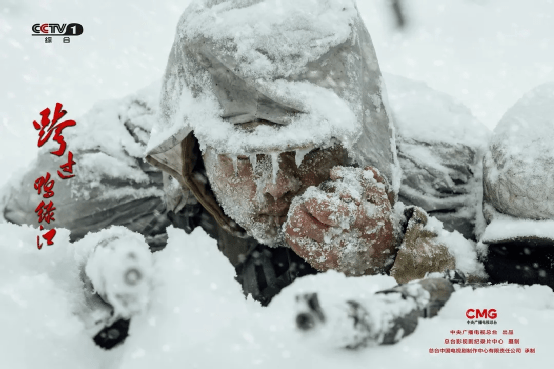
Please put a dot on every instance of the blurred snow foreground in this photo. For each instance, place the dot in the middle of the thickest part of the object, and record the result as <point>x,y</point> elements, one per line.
<point>197,315</point>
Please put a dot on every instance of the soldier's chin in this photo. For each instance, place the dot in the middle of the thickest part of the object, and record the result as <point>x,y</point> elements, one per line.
<point>267,234</point>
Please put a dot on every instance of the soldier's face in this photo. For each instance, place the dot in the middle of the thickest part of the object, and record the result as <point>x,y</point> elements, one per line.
<point>256,195</point>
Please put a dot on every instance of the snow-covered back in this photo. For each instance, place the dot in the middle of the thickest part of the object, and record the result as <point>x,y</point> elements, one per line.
<point>519,165</point>
<point>528,126</point>
<point>110,138</point>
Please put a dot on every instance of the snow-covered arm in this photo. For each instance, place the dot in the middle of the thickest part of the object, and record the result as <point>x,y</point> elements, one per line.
<point>112,184</point>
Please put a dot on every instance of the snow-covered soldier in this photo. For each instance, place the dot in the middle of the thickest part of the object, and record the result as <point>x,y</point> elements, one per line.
<point>275,137</point>
<point>518,185</point>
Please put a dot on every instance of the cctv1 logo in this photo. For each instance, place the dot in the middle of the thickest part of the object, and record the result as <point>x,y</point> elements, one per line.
<point>481,313</point>
<point>55,29</point>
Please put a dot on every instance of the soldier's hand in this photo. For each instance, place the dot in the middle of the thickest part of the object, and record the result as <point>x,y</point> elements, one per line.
<point>344,224</point>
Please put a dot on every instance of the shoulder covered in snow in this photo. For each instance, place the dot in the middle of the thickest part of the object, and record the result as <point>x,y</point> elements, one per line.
<point>427,115</point>
<point>109,141</point>
<point>504,227</point>
<point>517,170</point>
<point>111,183</point>
<point>440,146</point>
<point>528,126</point>
<point>118,127</point>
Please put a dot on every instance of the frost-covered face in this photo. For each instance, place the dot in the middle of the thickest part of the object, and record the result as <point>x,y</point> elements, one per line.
<point>256,190</point>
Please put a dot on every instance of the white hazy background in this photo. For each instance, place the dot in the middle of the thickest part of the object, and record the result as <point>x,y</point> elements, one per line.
<point>485,53</point>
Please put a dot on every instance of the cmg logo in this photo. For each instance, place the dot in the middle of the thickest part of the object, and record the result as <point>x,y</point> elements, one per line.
<point>481,313</point>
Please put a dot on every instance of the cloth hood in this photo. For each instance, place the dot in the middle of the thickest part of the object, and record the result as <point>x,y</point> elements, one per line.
<point>309,68</point>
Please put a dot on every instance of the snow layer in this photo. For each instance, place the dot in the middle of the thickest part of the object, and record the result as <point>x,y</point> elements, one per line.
<point>199,316</point>
<point>111,139</point>
<point>461,248</point>
<point>39,291</point>
<point>256,29</point>
<point>504,227</point>
<point>512,228</point>
<point>518,167</point>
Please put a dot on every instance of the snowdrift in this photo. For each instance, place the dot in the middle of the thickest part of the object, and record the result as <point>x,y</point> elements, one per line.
<point>198,316</point>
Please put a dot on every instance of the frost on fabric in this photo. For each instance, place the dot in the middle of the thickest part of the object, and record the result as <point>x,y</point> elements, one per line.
<point>252,31</point>
<point>118,127</point>
<point>440,149</point>
<point>252,37</point>
<point>326,116</point>
<point>108,145</point>
<point>518,175</point>
<point>112,183</point>
<point>100,165</point>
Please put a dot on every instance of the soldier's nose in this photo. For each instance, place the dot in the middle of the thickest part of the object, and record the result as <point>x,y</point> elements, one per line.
<point>285,182</point>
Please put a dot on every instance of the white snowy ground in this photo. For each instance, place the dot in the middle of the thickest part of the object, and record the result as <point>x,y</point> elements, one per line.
<point>198,317</point>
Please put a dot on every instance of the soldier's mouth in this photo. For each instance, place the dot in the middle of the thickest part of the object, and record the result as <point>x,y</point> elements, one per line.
<point>272,219</point>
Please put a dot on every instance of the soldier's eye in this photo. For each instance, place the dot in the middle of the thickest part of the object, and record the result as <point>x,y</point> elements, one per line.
<point>243,157</point>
